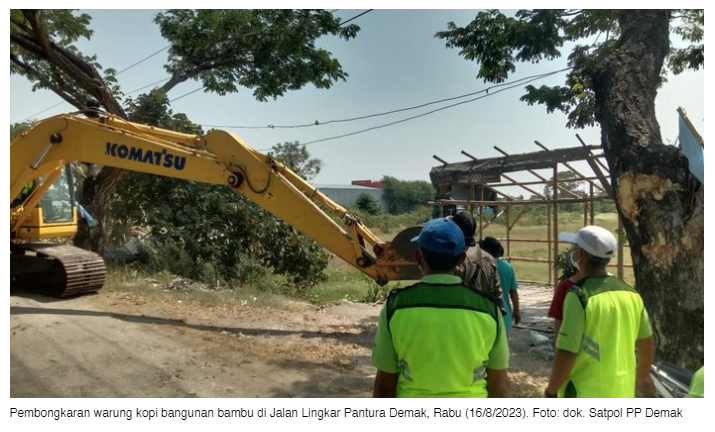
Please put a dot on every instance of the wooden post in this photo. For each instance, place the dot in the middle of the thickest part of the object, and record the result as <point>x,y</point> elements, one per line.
<point>593,216</point>
<point>596,158</point>
<point>548,242</point>
<point>474,198</point>
<point>601,176</point>
<point>556,222</point>
<point>481,214</point>
<point>620,248</point>
<point>585,209</point>
<point>586,205</point>
<point>508,235</point>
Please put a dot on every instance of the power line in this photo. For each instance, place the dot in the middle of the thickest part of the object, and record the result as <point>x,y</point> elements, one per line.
<point>142,60</point>
<point>121,71</point>
<point>355,17</point>
<point>40,112</point>
<point>509,87</point>
<point>186,94</point>
<point>156,53</point>
<point>319,123</point>
<point>149,85</point>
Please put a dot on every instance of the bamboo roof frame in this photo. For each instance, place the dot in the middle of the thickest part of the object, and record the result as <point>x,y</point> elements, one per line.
<point>487,174</point>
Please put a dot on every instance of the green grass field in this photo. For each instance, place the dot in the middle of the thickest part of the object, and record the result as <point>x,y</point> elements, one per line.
<point>539,271</point>
<point>346,282</point>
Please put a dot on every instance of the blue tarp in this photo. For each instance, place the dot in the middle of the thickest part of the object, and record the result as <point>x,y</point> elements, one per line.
<point>84,214</point>
<point>693,151</point>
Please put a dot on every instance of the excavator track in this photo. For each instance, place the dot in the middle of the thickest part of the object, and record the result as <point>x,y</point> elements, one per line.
<point>55,270</point>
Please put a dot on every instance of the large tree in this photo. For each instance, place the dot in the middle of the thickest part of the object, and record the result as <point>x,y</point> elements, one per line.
<point>296,157</point>
<point>268,51</point>
<point>18,128</point>
<point>617,63</point>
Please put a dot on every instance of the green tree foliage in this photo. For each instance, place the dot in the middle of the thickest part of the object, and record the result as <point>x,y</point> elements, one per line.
<point>16,129</point>
<point>616,64</point>
<point>404,196</point>
<point>217,229</point>
<point>268,51</point>
<point>204,231</point>
<point>497,42</point>
<point>368,204</point>
<point>603,207</point>
<point>42,49</point>
<point>297,158</point>
<point>563,267</point>
<point>575,188</point>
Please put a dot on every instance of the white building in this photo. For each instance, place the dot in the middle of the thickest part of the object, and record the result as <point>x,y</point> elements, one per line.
<point>347,195</point>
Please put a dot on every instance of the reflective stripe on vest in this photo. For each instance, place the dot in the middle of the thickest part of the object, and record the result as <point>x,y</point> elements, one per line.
<point>443,335</point>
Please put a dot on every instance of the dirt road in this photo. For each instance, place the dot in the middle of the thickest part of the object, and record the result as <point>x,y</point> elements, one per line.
<point>122,345</point>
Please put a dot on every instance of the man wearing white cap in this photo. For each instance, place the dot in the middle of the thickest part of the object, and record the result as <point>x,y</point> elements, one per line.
<point>604,321</point>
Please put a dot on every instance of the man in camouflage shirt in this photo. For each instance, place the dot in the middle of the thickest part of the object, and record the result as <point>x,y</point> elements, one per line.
<point>479,270</point>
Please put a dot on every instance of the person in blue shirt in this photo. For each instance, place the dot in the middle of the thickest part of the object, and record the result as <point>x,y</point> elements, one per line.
<point>507,277</point>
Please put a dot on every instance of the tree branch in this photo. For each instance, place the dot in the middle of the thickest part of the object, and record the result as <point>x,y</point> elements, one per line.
<point>30,71</point>
<point>173,82</point>
<point>27,44</point>
<point>31,15</point>
<point>73,66</point>
<point>21,25</point>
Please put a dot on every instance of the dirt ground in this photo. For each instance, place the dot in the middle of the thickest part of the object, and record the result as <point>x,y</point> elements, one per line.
<point>129,346</point>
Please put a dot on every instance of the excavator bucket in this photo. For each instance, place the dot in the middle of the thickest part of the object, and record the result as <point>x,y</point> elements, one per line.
<point>397,260</point>
<point>403,245</point>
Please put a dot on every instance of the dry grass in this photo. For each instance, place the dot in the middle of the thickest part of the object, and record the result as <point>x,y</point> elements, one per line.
<point>531,229</point>
<point>537,271</point>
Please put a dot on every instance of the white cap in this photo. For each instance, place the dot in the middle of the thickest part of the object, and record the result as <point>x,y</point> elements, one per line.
<point>596,241</point>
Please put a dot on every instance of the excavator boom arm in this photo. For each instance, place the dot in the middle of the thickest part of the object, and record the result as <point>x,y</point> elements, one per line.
<point>220,158</point>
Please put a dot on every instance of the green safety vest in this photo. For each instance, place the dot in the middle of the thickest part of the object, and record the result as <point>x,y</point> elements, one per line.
<point>460,322</point>
<point>605,365</point>
<point>697,385</point>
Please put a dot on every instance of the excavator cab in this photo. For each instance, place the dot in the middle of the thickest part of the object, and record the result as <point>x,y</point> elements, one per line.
<point>51,214</point>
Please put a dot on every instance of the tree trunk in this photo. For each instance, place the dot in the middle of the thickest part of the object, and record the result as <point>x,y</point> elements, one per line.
<point>660,202</point>
<point>97,190</point>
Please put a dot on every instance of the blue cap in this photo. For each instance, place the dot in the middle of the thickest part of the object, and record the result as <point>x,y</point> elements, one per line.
<point>441,236</point>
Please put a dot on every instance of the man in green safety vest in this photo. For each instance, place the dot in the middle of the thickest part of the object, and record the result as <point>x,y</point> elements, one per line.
<point>604,321</point>
<point>439,337</point>
<point>697,385</point>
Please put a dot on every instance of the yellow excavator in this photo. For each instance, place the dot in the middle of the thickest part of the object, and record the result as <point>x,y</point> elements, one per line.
<point>43,205</point>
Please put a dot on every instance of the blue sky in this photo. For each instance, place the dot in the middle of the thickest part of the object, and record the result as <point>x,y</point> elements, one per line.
<point>394,62</point>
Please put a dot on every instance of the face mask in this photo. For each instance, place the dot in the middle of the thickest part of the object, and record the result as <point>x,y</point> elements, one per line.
<point>573,261</point>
